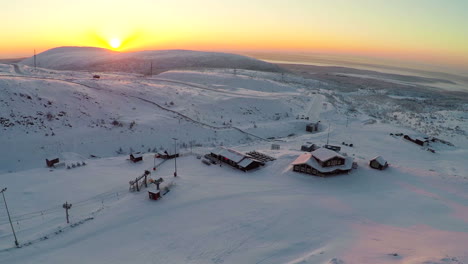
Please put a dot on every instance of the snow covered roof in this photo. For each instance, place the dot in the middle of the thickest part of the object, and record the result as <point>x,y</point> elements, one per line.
<point>245,162</point>
<point>380,160</point>
<point>303,158</point>
<point>306,158</point>
<point>324,154</point>
<point>229,153</point>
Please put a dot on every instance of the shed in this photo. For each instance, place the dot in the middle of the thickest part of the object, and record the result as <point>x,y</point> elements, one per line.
<point>313,127</point>
<point>378,163</point>
<point>309,148</point>
<point>275,146</point>
<point>154,195</point>
<point>51,163</point>
<point>135,159</point>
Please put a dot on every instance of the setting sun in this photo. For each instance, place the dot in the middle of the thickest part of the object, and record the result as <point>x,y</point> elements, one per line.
<point>115,43</point>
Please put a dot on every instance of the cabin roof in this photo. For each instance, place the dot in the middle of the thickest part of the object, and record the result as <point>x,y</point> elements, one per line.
<point>380,160</point>
<point>306,158</point>
<point>229,153</point>
<point>324,154</point>
<point>245,162</point>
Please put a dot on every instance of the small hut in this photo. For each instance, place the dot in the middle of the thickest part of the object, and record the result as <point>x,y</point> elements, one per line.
<point>378,163</point>
<point>135,159</point>
<point>309,148</point>
<point>154,195</point>
<point>275,146</point>
<point>313,127</point>
<point>51,163</point>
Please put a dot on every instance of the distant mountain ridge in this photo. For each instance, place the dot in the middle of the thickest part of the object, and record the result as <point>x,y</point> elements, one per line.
<point>99,59</point>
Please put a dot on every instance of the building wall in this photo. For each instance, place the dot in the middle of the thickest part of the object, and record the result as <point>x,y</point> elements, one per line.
<point>304,168</point>
<point>332,162</point>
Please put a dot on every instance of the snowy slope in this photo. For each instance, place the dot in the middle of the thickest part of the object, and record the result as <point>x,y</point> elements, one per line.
<point>220,215</point>
<point>414,212</point>
<point>47,113</point>
<point>98,59</point>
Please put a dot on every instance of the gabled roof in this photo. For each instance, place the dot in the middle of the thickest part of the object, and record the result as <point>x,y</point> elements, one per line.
<point>307,158</point>
<point>302,159</point>
<point>324,154</point>
<point>245,163</point>
<point>380,160</point>
<point>229,153</point>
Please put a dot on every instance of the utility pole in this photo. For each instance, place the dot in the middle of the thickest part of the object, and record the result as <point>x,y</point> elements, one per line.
<point>9,218</point>
<point>67,207</point>
<point>328,135</point>
<point>34,59</point>
<point>175,157</point>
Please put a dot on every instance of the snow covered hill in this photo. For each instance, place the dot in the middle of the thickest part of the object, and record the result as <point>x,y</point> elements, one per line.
<point>414,212</point>
<point>99,59</point>
<point>46,113</point>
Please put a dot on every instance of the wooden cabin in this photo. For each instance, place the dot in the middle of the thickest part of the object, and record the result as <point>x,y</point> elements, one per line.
<point>236,159</point>
<point>167,155</point>
<point>51,163</point>
<point>322,162</point>
<point>313,127</point>
<point>309,148</point>
<point>275,146</point>
<point>378,163</point>
<point>154,195</point>
<point>135,159</point>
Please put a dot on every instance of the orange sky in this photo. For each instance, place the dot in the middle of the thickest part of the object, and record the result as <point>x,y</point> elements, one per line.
<point>431,31</point>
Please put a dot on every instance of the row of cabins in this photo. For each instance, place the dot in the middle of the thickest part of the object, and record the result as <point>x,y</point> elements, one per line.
<point>236,159</point>
<point>320,162</point>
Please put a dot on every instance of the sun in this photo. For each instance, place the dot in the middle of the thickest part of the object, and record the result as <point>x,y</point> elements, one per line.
<point>115,43</point>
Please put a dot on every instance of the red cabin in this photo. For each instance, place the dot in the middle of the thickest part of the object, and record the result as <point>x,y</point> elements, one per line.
<point>154,195</point>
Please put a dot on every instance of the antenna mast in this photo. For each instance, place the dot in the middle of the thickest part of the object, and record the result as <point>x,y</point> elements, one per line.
<point>34,59</point>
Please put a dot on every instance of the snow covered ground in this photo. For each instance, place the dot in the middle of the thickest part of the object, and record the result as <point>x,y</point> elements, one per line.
<point>414,212</point>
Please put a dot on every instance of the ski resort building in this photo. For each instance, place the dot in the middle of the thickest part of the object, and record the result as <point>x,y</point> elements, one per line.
<point>236,159</point>
<point>322,162</point>
<point>378,163</point>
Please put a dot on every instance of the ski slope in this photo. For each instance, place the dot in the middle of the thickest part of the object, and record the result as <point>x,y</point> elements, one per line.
<point>414,212</point>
